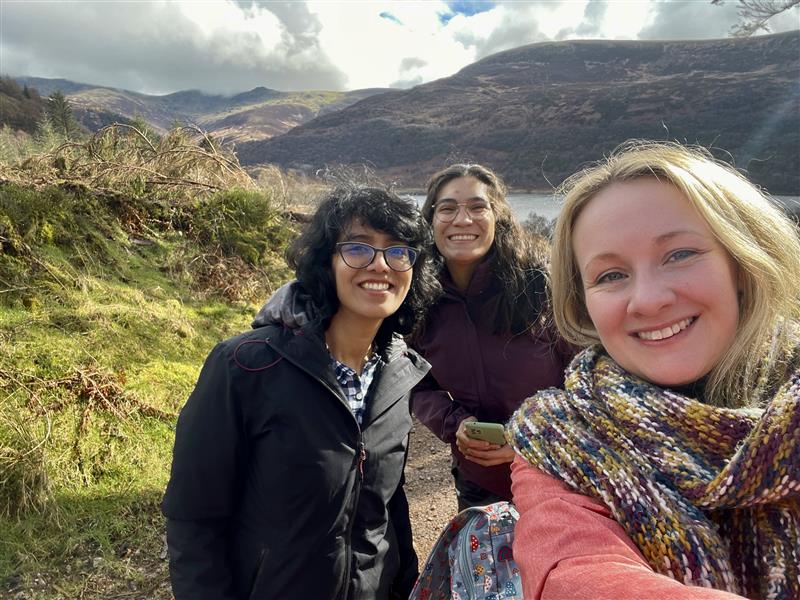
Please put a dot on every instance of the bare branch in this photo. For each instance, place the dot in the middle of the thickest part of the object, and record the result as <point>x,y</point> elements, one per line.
<point>754,15</point>
<point>122,157</point>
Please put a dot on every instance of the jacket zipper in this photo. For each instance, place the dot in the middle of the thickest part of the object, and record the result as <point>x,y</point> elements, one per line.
<point>361,459</point>
<point>359,464</point>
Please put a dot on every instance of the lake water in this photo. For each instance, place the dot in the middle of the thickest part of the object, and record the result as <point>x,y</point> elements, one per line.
<point>548,206</point>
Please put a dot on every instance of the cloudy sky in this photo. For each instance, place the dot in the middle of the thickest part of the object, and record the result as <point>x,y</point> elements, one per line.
<point>229,46</point>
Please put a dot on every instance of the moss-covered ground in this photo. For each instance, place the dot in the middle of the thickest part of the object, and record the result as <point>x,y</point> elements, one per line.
<point>108,306</point>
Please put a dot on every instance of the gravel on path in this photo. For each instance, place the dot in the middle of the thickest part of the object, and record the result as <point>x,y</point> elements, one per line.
<point>429,488</point>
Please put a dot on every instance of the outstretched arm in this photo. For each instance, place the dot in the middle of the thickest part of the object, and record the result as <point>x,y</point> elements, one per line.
<point>568,547</point>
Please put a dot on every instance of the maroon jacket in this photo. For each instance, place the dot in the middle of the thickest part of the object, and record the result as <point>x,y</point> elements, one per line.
<point>475,372</point>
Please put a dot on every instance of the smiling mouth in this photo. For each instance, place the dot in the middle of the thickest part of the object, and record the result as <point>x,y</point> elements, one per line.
<point>666,332</point>
<point>463,237</point>
<point>375,286</point>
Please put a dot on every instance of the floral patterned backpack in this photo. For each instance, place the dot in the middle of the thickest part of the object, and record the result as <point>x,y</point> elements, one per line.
<point>472,559</point>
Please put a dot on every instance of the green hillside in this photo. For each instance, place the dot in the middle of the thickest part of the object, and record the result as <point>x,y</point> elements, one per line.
<point>114,285</point>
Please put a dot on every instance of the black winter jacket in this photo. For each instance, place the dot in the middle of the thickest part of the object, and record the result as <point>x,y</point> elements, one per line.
<point>275,491</point>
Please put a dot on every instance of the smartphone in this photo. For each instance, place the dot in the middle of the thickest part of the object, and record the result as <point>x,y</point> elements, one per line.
<point>488,432</point>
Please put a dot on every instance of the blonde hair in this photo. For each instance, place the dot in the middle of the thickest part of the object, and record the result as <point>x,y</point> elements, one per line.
<point>761,239</point>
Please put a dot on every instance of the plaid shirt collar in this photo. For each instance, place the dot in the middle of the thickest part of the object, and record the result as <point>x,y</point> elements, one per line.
<point>356,387</point>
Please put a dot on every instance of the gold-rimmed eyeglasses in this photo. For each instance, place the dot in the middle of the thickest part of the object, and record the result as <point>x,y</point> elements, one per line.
<point>447,210</point>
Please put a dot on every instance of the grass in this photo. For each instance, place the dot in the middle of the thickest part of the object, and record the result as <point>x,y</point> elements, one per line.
<point>108,306</point>
<point>107,478</point>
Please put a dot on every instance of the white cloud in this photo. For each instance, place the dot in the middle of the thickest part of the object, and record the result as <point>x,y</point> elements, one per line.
<point>552,17</point>
<point>226,46</point>
<point>372,48</point>
<point>160,46</point>
<point>623,20</point>
<point>688,19</point>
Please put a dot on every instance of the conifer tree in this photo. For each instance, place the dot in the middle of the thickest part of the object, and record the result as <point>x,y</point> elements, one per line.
<point>59,114</point>
<point>46,137</point>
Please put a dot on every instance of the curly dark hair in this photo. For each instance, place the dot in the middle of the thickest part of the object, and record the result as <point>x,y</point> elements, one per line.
<point>520,259</point>
<point>312,253</point>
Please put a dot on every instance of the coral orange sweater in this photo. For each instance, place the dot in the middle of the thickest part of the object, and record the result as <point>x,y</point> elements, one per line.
<point>568,547</point>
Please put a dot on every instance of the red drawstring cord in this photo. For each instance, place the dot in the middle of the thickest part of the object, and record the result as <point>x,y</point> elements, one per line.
<point>248,369</point>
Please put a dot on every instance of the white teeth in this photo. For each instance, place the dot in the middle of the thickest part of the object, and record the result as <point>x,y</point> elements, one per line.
<point>463,236</point>
<point>374,285</point>
<point>667,332</point>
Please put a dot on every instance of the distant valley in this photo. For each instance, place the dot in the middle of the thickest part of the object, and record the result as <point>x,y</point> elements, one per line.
<point>536,113</point>
<point>258,114</point>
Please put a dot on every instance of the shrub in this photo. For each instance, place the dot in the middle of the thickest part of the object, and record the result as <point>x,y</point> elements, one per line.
<point>539,225</point>
<point>240,223</point>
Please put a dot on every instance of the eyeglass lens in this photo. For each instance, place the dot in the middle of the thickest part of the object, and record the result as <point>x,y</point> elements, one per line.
<point>359,255</point>
<point>447,210</point>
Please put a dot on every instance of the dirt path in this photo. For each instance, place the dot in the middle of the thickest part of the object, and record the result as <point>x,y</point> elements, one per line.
<point>429,487</point>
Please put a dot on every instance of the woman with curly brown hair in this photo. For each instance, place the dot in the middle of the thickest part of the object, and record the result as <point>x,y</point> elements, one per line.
<point>488,338</point>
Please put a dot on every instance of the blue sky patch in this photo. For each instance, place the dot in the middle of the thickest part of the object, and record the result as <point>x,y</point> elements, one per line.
<point>465,7</point>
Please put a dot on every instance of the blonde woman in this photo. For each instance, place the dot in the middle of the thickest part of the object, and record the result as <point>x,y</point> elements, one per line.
<point>670,465</point>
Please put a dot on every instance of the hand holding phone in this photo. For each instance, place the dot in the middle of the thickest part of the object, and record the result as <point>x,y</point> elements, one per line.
<point>488,432</point>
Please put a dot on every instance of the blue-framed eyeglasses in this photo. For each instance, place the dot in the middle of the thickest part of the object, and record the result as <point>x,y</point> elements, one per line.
<point>359,255</point>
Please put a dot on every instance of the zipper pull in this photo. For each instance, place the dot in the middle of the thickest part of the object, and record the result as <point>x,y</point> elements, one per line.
<point>362,457</point>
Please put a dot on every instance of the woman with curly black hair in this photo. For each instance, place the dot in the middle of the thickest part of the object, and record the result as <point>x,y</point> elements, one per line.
<point>287,474</point>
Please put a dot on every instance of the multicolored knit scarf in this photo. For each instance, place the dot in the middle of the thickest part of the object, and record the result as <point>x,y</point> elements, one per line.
<point>711,496</point>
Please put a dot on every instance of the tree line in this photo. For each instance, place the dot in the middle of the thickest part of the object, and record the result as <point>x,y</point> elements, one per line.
<point>22,108</point>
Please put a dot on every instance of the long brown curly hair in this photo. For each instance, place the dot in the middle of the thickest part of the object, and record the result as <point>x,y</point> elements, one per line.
<point>520,259</point>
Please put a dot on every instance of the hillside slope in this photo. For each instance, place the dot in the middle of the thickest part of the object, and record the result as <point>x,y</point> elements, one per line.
<point>257,114</point>
<point>538,112</point>
<point>110,301</point>
<point>110,298</point>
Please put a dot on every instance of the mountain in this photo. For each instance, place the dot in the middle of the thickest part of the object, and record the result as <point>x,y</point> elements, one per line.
<point>257,114</point>
<point>45,86</point>
<point>537,113</point>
